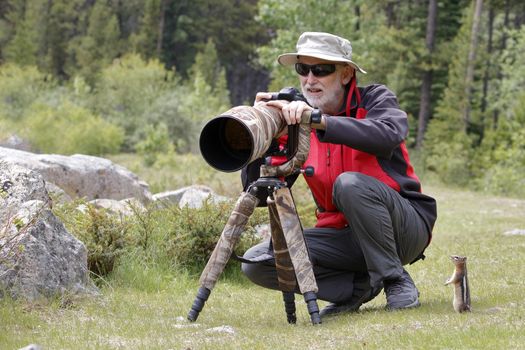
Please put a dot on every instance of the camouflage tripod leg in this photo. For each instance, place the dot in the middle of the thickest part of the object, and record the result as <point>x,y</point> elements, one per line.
<point>221,254</point>
<point>283,263</point>
<point>293,234</point>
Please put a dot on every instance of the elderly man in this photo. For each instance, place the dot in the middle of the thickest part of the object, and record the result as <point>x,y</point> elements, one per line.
<point>371,215</point>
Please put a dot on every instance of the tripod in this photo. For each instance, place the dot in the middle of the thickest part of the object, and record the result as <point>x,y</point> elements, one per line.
<point>292,262</point>
<point>229,142</point>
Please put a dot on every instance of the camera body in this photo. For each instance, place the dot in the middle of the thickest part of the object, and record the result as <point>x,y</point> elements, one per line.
<point>289,94</point>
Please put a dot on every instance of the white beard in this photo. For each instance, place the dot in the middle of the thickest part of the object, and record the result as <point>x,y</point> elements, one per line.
<point>326,102</point>
<point>329,101</point>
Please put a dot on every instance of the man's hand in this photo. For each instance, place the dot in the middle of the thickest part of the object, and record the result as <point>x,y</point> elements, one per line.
<point>262,98</point>
<point>291,111</point>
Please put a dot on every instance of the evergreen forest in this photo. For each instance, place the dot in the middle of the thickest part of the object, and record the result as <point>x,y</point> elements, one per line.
<point>142,76</point>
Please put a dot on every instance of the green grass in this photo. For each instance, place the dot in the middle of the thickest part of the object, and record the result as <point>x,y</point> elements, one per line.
<point>144,307</point>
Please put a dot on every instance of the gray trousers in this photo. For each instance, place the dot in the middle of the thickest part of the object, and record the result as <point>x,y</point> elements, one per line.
<point>385,232</point>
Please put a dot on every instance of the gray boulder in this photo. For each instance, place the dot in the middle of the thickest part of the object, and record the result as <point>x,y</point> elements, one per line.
<point>57,194</point>
<point>125,207</point>
<point>38,256</point>
<point>82,176</point>
<point>191,196</point>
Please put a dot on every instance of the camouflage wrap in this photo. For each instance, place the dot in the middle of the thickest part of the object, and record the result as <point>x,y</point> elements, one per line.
<point>230,235</point>
<point>263,122</point>
<point>283,261</point>
<point>293,233</point>
<point>242,134</point>
<point>247,131</point>
<point>296,162</point>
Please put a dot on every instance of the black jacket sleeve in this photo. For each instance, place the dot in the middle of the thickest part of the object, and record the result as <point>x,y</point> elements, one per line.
<point>383,129</point>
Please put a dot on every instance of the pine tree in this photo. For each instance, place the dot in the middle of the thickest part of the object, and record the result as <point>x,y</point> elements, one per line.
<point>208,84</point>
<point>101,44</point>
<point>23,17</point>
<point>207,66</point>
<point>500,159</point>
<point>471,61</point>
<point>189,25</point>
<point>60,18</point>
<point>146,40</point>
<point>447,144</point>
<point>427,75</point>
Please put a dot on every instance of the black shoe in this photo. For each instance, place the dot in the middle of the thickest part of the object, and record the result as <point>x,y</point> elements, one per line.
<point>363,293</point>
<point>401,293</point>
<point>335,309</point>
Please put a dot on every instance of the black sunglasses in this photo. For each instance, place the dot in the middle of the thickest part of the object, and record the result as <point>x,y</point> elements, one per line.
<point>318,70</point>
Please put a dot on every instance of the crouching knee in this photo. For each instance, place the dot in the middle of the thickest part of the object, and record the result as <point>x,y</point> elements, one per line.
<point>263,272</point>
<point>250,270</point>
<point>351,187</point>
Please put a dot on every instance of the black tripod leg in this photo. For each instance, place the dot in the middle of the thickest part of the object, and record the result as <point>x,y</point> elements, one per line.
<point>289,306</point>
<point>198,304</point>
<point>313,309</point>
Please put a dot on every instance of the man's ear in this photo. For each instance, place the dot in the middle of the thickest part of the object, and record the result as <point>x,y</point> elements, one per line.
<point>347,75</point>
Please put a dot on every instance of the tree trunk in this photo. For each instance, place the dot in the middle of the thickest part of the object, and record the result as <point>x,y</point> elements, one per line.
<point>469,78</point>
<point>520,16</point>
<point>357,13</point>
<point>489,55</point>
<point>163,6</point>
<point>390,14</point>
<point>503,45</point>
<point>426,80</point>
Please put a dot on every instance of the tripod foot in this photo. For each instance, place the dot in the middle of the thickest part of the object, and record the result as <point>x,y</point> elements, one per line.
<point>289,306</point>
<point>198,304</point>
<point>311,303</point>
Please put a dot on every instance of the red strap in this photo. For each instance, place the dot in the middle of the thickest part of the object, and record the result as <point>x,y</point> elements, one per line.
<point>350,95</point>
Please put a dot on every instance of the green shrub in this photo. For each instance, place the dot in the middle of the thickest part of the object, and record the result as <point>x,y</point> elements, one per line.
<point>452,161</point>
<point>167,109</point>
<point>105,235</point>
<point>185,237</point>
<point>80,131</point>
<point>501,160</point>
<point>507,180</point>
<point>20,86</point>
<point>165,238</point>
<point>127,89</point>
<point>155,142</point>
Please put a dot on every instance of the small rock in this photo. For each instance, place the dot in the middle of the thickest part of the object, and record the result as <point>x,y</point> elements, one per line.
<point>222,329</point>
<point>31,347</point>
<point>494,310</point>
<point>515,232</point>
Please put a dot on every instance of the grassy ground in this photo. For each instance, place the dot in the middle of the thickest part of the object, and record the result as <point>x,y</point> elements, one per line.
<point>146,309</point>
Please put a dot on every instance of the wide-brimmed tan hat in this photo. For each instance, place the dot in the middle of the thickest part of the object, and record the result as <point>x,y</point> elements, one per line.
<point>325,46</point>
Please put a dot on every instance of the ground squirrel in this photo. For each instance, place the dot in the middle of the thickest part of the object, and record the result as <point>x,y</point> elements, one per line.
<point>459,278</point>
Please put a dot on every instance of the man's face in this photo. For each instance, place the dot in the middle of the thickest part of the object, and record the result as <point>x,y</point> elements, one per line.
<point>326,93</point>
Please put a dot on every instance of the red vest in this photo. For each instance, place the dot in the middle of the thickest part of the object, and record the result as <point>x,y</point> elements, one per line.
<point>330,160</point>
